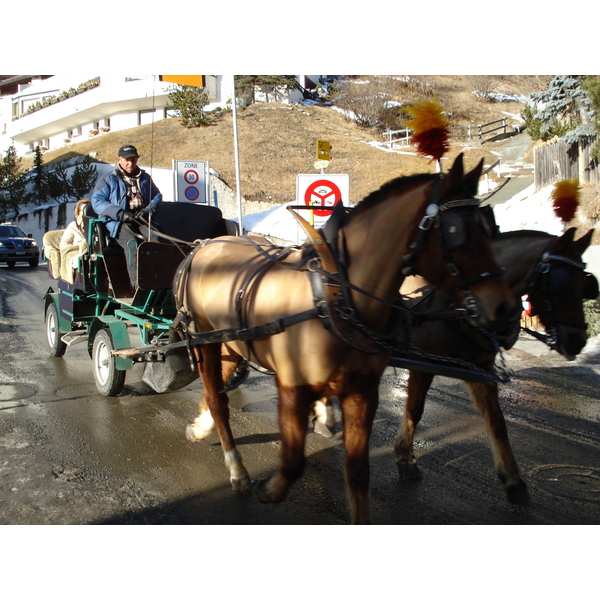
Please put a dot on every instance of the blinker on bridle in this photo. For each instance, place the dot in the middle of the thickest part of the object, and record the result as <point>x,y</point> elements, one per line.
<point>546,280</point>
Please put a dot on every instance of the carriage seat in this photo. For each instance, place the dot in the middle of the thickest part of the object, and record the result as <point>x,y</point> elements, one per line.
<point>51,246</point>
<point>189,222</point>
<point>102,242</point>
<point>62,264</point>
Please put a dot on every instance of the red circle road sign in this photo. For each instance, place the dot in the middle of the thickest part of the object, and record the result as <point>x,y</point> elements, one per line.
<point>328,196</point>
<point>191,193</point>
<point>191,177</point>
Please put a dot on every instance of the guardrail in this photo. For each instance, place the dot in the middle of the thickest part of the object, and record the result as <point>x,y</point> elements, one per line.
<point>481,133</point>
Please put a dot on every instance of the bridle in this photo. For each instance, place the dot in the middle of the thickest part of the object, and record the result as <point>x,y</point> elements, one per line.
<point>452,233</point>
<point>547,277</point>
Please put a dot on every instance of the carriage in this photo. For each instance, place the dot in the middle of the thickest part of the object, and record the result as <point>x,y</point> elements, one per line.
<point>93,302</point>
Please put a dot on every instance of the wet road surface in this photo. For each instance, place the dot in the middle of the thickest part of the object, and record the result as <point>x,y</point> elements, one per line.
<point>72,456</point>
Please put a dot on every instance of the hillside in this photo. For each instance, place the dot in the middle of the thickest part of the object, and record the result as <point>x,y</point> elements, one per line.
<point>277,141</point>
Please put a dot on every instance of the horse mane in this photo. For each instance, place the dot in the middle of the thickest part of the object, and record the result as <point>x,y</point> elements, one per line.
<point>522,233</point>
<point>378,196</point>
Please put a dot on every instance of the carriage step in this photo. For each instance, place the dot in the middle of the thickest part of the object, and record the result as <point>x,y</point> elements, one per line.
<point>74,337</point>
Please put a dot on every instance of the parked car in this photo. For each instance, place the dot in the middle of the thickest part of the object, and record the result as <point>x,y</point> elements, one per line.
<point>17,246</point>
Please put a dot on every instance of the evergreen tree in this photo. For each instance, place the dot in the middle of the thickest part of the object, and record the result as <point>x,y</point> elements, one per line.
<point>561,108</point>
<point>58,185</point>
<point>83,178</point>
<point>189,102</point>
<point>592,86</point>
<point>40,192</point>
<point>12,184</point>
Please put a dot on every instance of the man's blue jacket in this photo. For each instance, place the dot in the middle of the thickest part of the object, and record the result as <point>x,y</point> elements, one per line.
<point>110,201</point>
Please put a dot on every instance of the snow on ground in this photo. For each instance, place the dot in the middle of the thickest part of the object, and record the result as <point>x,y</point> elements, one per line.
<point>526,210</point>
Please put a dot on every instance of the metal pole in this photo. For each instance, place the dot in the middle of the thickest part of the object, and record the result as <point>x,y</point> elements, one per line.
<point>237,160</point>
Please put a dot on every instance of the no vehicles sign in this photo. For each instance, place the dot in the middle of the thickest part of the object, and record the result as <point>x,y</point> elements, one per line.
<point>191,181</point>
<point>323,192</point>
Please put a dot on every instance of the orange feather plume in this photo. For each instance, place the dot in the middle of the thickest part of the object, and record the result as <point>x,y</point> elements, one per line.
<point>430,128</point>
<point>565,199</point>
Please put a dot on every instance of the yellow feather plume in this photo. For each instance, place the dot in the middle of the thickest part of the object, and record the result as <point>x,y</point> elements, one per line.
<point>565,199</point>
<point>430,128</point>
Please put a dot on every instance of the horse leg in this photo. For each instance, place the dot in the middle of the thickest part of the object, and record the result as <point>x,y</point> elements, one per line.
<point>416,390</point>
<point>485,398</point>
<point>215,404</point>
<point>358,413</point>
<point>324,421</point>
<point>203,424</point>
<point>294,409</point>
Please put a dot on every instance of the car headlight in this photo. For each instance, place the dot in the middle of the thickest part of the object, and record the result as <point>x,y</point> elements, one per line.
<point>33,243</point>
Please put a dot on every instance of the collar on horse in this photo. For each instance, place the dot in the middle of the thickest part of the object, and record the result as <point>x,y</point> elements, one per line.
<point>331,290</point>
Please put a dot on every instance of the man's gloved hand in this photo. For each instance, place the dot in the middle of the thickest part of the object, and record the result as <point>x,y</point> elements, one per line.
<point>126,217</point>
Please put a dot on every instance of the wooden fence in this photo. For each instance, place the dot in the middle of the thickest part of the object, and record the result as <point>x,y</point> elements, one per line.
<point>469,133</point>
<point>564,160</point>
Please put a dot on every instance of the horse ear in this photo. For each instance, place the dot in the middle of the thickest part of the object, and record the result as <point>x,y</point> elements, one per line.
<point>471,179</point>
<point>583,242</point>
<point>565,239</point>
<point>456,173</point>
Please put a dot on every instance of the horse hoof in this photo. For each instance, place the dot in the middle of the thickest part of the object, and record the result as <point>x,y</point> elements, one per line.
<point>323,430</point>
<point>242,485</point>
<point>408,469</point>
<point>266,492</point>
<point>517,493</point>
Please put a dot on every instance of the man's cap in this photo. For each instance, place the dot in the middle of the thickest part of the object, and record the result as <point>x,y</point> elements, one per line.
<point>128,151</point>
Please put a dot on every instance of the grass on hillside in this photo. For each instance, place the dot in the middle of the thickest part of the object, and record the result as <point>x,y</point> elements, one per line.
<point>276,143</point>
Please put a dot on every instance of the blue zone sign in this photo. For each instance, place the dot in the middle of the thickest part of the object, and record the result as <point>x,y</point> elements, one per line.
<point>191,181</point>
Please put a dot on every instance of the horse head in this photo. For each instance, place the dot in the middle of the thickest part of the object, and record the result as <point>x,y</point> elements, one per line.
<point>558,288</point>
<point>463,265</point>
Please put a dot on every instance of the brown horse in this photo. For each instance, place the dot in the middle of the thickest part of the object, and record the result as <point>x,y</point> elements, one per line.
<point>550,271</point>
<point>231,282</point>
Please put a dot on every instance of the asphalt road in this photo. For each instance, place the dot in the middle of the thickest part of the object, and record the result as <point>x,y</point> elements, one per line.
<point>72,456</point>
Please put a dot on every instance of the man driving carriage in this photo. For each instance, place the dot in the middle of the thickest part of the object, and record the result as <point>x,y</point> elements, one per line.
<point>128,199</point>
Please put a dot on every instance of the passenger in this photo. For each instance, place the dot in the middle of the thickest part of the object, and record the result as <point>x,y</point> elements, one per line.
<point>74,233</point>
<point>129,194</point>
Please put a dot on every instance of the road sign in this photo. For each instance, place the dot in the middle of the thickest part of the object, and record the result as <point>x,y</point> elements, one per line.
<point>323,192</point>
<point>191,181</point>
<point>323,150</point>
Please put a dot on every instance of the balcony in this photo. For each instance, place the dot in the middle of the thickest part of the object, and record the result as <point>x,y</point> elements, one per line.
<point>114,95</point>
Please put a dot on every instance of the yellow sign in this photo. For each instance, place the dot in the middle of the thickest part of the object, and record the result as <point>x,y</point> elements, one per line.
<point>194,80</point>
<point>323,150</point>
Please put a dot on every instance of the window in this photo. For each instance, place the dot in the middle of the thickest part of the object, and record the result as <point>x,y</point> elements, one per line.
<point>145,117</point>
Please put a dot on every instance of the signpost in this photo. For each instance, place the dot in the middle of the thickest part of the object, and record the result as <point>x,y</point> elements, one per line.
<point>323,150</point>
<point>191,181</point>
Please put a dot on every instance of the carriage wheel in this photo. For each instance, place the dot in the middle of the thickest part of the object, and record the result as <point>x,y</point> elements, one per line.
<point>53,335</point>
<point>109,380</point>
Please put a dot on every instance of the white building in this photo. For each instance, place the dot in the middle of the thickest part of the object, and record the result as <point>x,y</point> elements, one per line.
<point>59,110</point>
<point>54,112</point>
